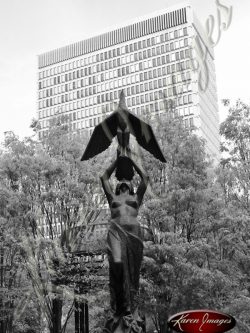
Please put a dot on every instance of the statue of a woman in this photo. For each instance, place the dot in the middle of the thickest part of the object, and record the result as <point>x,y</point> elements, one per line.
<point>125,244</point>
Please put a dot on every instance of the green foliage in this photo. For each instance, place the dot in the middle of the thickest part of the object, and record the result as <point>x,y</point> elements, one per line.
<point>195,258</point>
<point>234,174</point>
<point>51,200</point>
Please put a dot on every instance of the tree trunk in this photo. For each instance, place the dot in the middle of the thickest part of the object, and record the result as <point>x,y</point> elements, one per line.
<point>56,315</point>
<point>163,323</point>
<point>77,317</point>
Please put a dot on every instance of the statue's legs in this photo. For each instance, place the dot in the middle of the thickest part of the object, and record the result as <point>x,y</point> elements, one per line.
<point>120,298</point>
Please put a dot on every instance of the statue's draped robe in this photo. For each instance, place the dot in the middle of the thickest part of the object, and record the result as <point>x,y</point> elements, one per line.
<point>131,255</point>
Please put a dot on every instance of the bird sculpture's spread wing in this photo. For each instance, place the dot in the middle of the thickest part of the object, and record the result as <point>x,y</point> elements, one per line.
<point>145,136</point>
<point>104,132</point>
<point>101,137</point>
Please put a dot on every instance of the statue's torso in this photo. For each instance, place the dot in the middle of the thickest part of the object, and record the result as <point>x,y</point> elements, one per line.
<point>124,209</point>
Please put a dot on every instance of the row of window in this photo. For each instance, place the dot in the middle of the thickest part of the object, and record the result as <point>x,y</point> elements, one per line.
<point>141,65</point>
<point>89,124</point>
<point>180,65</point>
<point>113,94</point>
<point>116,52</point>
<point>173,69</point>
<point>130,58</point>
<point>161,103</point>
<point>117,83</point>
<point>112,85</point>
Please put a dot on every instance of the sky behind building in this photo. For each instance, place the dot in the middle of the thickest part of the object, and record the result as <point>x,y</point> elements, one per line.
<point>31,27</point>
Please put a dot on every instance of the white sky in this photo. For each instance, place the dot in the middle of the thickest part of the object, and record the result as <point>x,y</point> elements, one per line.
<point>31,27</point>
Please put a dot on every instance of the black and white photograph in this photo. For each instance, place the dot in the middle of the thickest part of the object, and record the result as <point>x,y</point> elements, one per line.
<point>124,166</point>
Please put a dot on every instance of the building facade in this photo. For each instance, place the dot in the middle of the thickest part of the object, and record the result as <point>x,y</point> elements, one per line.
<point>162,62</point>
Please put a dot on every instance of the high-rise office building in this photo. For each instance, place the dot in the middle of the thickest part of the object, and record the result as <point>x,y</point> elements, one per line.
<point>162,62</point>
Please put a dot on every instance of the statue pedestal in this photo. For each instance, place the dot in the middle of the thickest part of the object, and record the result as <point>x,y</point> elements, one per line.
<point>130,323</point>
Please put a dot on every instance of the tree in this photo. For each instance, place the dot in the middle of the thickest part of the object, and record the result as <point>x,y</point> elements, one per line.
<point>233,176</point>
<point>182,267</point>
<point>235,131</point>
<point>14,284</point>
<point>57,200</point>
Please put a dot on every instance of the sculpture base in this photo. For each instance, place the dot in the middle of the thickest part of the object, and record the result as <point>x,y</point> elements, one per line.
<point>130,323</point>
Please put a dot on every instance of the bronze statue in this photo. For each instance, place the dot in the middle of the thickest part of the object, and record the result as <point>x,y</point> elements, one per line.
<point>125,245</point>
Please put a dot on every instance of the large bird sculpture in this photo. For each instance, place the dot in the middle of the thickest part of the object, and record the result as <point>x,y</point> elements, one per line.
<point>121,123</point>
